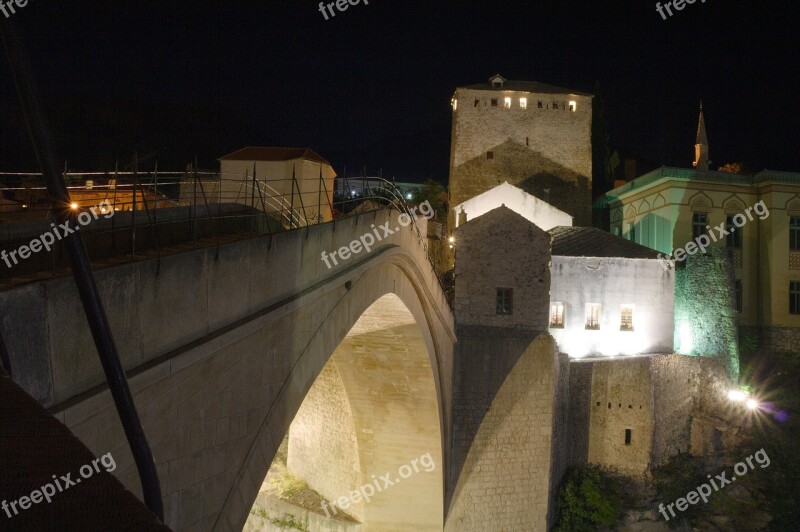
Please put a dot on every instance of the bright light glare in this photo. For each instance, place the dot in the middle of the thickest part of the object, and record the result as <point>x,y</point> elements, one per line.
<point>73,206</point>
<point>737,395</point>
<point>752,404</point>
<point>687,342</point>
<point>452,239</point>
<point>409,195</point>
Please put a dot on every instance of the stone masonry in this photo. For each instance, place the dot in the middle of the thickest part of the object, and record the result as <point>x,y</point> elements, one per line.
<point>510,393</point>
<point>543,148</point>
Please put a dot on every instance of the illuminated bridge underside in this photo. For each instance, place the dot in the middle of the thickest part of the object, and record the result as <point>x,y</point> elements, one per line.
<point>373,411</point>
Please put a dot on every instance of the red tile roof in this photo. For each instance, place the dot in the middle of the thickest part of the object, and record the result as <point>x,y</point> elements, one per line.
<point>254,153</point>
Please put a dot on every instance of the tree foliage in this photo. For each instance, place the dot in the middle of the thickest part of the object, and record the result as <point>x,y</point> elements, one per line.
<point>587,500</point>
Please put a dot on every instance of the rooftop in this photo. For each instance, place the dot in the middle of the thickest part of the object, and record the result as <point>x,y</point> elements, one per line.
<point>254,153</point>
<point>498,83</point>
<point>707,176</point>
<point>591,242</point>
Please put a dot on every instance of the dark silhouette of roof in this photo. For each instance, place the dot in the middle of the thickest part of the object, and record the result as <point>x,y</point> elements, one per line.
<point>526,86</point>
<point>254,153</point>
<point>702,137</point>
<point>591,242</point>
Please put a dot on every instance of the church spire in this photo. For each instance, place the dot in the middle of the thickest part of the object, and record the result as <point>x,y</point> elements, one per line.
<point>701,144</point>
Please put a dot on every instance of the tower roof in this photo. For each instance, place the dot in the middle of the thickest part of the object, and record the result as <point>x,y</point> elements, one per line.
<point>499,83</point>
<point>701,129</point>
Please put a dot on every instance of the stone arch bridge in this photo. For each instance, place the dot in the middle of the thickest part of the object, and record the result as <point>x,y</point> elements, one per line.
<point>222,346</point>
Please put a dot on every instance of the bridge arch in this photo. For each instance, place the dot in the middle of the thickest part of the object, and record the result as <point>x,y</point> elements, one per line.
<point>381,299</point>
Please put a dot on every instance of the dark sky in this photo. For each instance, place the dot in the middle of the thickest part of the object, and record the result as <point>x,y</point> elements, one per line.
<point>372,86</point>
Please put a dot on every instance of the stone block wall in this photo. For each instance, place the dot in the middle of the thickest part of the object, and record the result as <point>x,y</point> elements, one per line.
<point>501,249</point>
<point>509,411</point>
<point>660,398</point>
<point>323,447</point>
<point>534,148</point>
<point>705,308</point>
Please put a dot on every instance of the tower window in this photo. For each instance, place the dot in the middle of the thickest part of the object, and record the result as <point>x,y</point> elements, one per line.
<point>794,297</point>
<point>572,106</point>
<point>699,224</point>
<point>527,141</point>
<point>494,102</point>
<point>626,318</point>
<point>523,103</point>
<point>505,301</point>
<point>794,233</point>
<point>555,105</point>
<point>628,436</point>
<point>477,103</point>
<point>734,238</point>
<point>507,103</point>
<point>489,155</point>
<point>593,316</point>
<point>539,104</point>
<point>557,315</point>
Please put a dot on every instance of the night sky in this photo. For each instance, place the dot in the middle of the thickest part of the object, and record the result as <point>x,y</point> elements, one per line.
<point>371,87</point>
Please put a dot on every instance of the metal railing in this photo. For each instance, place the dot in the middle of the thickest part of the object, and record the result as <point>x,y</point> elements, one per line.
<point>143,212</point>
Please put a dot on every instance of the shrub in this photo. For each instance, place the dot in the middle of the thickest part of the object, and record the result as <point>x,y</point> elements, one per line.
<point>588,499</point>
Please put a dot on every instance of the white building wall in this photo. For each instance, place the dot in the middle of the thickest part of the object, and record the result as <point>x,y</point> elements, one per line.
<point>613,282</point>
<point>541,213</point>
<point>311,200</point>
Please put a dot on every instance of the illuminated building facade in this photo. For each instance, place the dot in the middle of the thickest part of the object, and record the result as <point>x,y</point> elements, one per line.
<point>670,207</point>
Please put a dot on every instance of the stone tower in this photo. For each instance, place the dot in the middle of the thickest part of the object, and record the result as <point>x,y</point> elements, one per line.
<point>701,144</point>
<point>533,135</point>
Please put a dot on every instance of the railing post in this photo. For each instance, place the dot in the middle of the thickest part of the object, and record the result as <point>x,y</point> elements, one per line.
<point>133,212</point>
<point>194,201</point>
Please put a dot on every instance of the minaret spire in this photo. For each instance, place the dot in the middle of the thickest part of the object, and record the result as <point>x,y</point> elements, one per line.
<point>701,144</point>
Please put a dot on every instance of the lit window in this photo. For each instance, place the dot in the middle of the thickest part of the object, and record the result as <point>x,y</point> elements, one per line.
<point>794,297</point>
<point>505,300</point>
<point>557,315</point>
<point>699,224</point>
<point>523,102</point>
<point>794,233</point>
<point>494,102</point>
<point>626,319</point>
<point>734,238</point>
<point>572,106</point>
<point>455,104</point>
<point>490,155</point>
<point>507,103</point>
<point>592,316</point>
